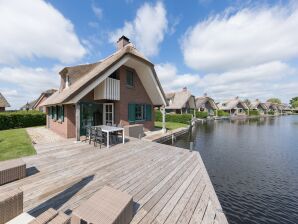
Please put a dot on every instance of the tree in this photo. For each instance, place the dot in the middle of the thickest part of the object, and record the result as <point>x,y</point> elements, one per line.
<point>293,100</point>
<point>295,104</point>
<point>274,100</point>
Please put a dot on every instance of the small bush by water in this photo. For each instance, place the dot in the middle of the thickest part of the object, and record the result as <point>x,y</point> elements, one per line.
<point>221,113</point>
<point>201,114</point>
<point>254,113</point>
<point>21,119</point>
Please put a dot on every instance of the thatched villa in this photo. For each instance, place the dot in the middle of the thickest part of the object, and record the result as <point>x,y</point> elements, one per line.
<point>206,104</point>
<point>3,103</point>
<point>180,102</point>
<point>234,106</point>
<point>259,106</point>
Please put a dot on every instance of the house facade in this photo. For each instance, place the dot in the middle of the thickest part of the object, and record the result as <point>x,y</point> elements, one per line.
<point>259,106</point>
<point>206,104</point>
<point>3,103</point>
<point>234,107</point>
<point>121,89</point>
<point>180,102</point>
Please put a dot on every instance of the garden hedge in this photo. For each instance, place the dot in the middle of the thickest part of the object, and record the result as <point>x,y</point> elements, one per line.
<point>21,119</point>
<point>177,118</point>
<point>221,113</point>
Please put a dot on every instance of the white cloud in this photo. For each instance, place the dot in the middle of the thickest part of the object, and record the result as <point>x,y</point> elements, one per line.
<point>35,29</point>
<point>147,30</point>
<point>97,10</point>
<point>241,39</point>
<point>171,80</point>
<point>27,83</point>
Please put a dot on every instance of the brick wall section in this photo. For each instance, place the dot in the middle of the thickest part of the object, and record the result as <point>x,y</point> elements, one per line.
<point>66,128</point>
<point>136,94</point>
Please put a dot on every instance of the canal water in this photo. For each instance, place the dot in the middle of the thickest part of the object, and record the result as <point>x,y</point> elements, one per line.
<point>253,165</point>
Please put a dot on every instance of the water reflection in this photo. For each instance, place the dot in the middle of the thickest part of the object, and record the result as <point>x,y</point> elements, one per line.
<point>253,165</point>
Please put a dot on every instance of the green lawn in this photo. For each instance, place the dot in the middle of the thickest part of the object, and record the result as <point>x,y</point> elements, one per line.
<point>15,143</point>
<point>170,125</point>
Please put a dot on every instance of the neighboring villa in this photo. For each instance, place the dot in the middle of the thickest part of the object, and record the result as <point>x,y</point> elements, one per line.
<point>36,104</point>
<point>206,104</point>
<point>120,89</point>
<point>259,106</point>
<point>272,107</point>
<point>234,106</point>
<point>180,102</point>
<point>3,103</point>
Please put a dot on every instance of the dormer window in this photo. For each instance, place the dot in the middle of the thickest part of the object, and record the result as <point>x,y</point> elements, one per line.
<point>129,78</point>
<point>67,84</point>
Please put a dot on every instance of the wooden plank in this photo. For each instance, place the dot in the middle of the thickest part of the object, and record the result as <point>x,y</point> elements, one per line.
<point>184,200</point>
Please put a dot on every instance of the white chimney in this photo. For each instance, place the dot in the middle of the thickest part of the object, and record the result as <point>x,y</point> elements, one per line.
<point>122,42</point>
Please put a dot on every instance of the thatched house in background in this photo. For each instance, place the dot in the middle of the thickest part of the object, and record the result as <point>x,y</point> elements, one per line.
<point>272,107</point>
<point>28,105</point>
<point>206,104</point>
<point>180,102</point>
<point>3,103</point>
<point>259,106</point>
<point>36,104</point>
<point>234,106</point>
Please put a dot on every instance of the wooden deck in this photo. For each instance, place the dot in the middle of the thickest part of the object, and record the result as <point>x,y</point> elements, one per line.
<point>168,184</point>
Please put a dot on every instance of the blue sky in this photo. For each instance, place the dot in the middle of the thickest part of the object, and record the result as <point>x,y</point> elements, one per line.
<point>224,48</point>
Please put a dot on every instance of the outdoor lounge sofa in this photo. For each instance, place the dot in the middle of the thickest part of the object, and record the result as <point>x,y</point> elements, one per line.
<point>11,205</point>
<point>134,130</point>
<point>12,170</point>
<point>106,206</point>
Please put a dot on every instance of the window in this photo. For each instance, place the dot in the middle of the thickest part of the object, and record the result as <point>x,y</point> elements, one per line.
<point>129,78</point>
<point>140,113</point>
<point>57,113</point>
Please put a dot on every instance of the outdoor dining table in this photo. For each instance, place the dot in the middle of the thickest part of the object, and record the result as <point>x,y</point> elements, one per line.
<point>109,129</point>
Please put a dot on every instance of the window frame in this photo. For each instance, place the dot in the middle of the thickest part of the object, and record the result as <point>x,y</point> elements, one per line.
<point>142,112</point>
<point>129,84</point>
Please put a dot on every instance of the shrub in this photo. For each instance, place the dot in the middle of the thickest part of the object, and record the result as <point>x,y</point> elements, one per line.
<point>201,114</point>
<point>21,119</point>
<point>158,115</point>
<point>271,112</point>
<point>254,113</point>
<point>221,113</point>
<point>177,118</point>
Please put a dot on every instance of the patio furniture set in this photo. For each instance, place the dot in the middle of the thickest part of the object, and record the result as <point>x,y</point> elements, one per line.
<point>104,134</point>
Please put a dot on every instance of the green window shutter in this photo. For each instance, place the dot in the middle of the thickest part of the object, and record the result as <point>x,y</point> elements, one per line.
<point>131,112</point>
<point>148,112</point>
<point>56,113</point>
<point>53,112</point>
<point>50,112</point>
<point>62,113</point>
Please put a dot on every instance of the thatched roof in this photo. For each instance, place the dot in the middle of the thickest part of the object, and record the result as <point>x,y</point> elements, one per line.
<point>30,105</point>
<point>46,93</point>
<point>202,100</point>
<point>91,72</point>
<point>231,104</point>
<point>272,106</point>
<point>3,101</point>
<point>255,104</point>
<point>179,100</point>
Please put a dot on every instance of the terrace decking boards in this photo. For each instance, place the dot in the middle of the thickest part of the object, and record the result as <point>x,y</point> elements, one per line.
<point>168,184</point>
